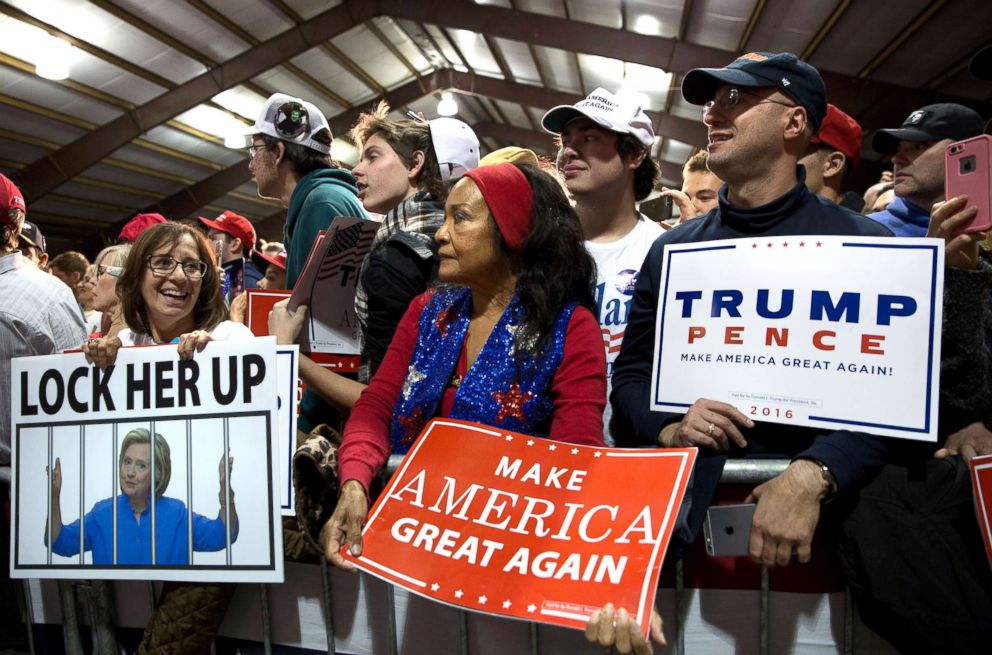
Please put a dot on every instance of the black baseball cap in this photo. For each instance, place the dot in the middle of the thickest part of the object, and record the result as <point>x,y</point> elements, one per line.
<point>981,64</point>
<point>784,71</point>
<point>944,120</point>
<point>32,236</point>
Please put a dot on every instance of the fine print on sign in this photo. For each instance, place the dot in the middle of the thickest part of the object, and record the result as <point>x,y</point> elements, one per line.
<point>981,479</point>
<point>526,527</point>
<point>153,468</point>
<point>832,332</point>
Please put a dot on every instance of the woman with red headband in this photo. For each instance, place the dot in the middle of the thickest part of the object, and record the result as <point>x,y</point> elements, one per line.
<point>505,341</point>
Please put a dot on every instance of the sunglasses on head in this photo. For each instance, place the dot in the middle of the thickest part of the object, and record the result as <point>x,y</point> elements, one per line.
<point>291,120</point>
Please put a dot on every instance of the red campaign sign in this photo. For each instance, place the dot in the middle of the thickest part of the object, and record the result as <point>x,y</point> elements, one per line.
<point>981,480</point>
<point>529,528</point>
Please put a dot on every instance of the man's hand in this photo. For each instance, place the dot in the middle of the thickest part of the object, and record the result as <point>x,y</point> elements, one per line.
<point>687,211</point>
<point>787,513</point>
<point>191,342</point>
<point>101,352</point>
<point>285,324</point>
<point>709,424</point>
<point>345,525</point>
<point>622,632</point>
<point>968,442</point>
<point>946,219</point>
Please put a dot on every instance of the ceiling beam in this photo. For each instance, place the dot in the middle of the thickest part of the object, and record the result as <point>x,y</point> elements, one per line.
<point>46,174</point>
<point>521,136</point>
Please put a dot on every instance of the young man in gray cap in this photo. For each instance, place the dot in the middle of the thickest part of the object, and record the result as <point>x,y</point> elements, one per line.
<point>605,160</point>
<point>917,149</point>
<point>760,112</point>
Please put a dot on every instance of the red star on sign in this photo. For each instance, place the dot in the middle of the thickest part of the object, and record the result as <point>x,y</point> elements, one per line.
<point>511,403</point>
<point>769,245</point>
<point>754,245</point>
<point>785,244</point>
<point>412,425</point>
<point>802,244</point>
<point>442,321</point>
<point>818,244</point>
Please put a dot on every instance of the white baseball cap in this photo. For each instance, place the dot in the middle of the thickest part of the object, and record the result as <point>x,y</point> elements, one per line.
<point>615,113</point>
<point>290,119</point>
<point>455,145</point>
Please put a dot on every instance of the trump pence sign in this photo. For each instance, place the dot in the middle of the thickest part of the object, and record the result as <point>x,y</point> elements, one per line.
<point>524,527</point>
<point>833,332</point>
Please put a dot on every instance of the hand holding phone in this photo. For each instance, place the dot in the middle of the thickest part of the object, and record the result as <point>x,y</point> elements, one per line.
<point>727,530</point>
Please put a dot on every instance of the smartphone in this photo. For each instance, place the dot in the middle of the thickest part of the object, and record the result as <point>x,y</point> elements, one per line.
<point>968,171</point>
<point>657,209</point>
<point>727,530</point>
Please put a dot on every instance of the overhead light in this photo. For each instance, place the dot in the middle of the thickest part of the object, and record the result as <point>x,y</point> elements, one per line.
<point>647,24</point>
<point>447,106</point>
<point>52,59</point>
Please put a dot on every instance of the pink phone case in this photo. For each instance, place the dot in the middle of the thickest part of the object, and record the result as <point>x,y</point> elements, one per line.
<point>968,171</point>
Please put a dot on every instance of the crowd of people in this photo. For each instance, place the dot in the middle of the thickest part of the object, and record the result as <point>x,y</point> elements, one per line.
<point>522,292</point>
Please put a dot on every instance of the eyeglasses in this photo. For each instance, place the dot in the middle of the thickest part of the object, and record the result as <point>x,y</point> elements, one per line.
<point>164,265</point>
<point>291,120</point>
<point>732,97</point>
<point>113,271</point>
<point>253,149</point>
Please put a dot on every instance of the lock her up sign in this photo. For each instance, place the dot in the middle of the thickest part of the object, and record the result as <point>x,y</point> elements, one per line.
<point>841,333</point>
<point>525,527</point>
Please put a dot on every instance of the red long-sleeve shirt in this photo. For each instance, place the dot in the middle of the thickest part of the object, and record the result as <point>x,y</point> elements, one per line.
<point>578,392</point>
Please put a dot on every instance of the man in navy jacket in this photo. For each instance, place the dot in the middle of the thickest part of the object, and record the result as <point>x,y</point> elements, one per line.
<point>760,112</point>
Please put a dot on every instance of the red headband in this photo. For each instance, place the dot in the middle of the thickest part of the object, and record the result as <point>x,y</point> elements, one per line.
<point>509,198</point>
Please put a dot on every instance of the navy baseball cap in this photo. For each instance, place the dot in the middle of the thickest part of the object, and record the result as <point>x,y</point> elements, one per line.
<point>944,120</point>
<point>784,71</point>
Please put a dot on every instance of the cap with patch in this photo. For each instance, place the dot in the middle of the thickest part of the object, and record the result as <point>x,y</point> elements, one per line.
<point>840,132</point>
<point>134,227</point>
<point>610,111</point>
<point>32,236</point>
<point>290,119</point>
<point>236,225</point>
<point>981,64</point>
<point>278,260</point>
<point>12,207</point>
<point>944,120</point>
<point>455,145</point>
<point>783,70</point>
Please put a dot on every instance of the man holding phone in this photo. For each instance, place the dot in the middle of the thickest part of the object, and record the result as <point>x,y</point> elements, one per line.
<point>917,149</point>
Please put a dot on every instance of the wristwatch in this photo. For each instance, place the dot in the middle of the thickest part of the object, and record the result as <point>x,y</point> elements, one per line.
<point>828,476</point>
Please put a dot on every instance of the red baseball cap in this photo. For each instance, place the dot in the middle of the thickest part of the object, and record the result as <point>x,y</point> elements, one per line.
<point>278,260</point>
<point>236,225</point>
<point>840,132</point>
<point>134,227</point>
<point>12,209</point>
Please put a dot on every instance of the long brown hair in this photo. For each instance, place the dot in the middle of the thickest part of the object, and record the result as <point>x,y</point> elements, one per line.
<point>209,310</point>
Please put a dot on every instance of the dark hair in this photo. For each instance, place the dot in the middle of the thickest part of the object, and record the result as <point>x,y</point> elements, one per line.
<point>8,238</point>
<point>646,175</point>
<point>406,137</point>
<point>70,262</point>
<point>209,310</point>
<point>555,267</point>
<point>303,159</point>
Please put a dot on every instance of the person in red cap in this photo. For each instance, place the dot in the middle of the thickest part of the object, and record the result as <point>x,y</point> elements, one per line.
<point>833,152</point>
<point>275,271</point>
<point>134,227</point>
<point>233,239</point>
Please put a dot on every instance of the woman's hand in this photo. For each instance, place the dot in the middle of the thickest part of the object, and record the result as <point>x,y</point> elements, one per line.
<point>622,632</point>
<point>191,342</point>
<point>709,424</point>
<point>101,352</point>
<point>345,525</point>
<point>285,324</point>
<point>238,308</point>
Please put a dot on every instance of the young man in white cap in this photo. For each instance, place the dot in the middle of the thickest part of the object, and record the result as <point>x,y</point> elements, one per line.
<point>605,159</point>
<point>290,156</point>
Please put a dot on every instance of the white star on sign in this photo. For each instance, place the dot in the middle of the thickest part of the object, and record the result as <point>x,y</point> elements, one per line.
<point>597,454</point>
<point>435,587</point>
<point>530,442</point>
<point>552,447</point>
<point>575,451</point>
<point>509,437</point>
<point>531,608</point>
<point>459,593</point>
<point>482,599</point>
<point>506,604</point>
<point>413,376</point>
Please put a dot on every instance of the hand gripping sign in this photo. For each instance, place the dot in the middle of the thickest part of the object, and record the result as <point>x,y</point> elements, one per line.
<point>524,527</point>
<point>821,331</point>
<point>981,478</point>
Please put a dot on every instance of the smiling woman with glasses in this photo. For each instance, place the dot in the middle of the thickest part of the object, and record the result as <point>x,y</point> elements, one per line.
<point>169,292</point>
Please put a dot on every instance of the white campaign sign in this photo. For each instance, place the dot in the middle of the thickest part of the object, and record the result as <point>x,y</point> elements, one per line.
<point>82,455</point>
<point>824,331</point>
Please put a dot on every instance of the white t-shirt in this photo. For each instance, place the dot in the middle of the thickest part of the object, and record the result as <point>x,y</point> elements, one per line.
<point>225,330</point>
<point>92,319</point>
<point>617,266</point>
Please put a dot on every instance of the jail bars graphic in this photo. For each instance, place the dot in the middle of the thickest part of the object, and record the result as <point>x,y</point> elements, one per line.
<point>116,459</point>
